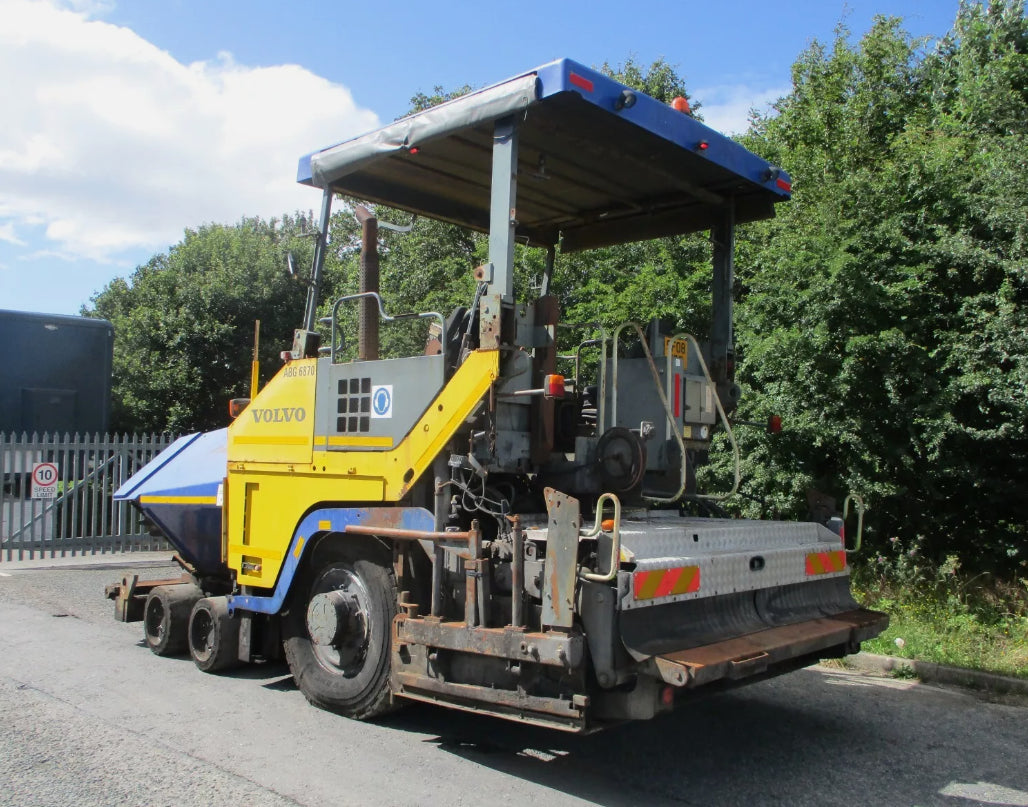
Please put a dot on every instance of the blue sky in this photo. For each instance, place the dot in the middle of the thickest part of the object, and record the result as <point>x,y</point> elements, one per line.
<point>127,121</point>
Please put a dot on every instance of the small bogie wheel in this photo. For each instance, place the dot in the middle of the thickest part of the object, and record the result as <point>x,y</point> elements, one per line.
<point>166,618</point>
<point>213,635</point>
<point>337,632</point>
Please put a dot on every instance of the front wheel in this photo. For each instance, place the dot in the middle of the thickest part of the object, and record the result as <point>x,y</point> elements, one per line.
<point>337,633</point>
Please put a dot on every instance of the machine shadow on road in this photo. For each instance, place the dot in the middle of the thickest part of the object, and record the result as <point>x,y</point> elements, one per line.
<point>754,745</point>
<point>689,755</point>
<point>845,737</point>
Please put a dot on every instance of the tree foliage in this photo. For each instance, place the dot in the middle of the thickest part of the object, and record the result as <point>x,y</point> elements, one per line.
<point>883,312</point>
<point>184,322</point>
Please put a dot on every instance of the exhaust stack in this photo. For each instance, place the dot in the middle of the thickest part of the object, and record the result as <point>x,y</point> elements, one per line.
<point>367,321</point>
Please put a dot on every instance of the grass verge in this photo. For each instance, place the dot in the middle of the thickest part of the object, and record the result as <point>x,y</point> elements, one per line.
<point>940,616</point>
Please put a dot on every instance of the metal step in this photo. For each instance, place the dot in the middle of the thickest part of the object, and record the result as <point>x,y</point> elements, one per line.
<point>753,654</point>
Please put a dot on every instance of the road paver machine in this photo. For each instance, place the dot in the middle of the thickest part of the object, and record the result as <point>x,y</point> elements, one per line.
<point>490,525</point>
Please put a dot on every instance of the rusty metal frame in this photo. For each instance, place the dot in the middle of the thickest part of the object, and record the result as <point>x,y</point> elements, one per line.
<point>560,713</point>
<point>552,649</point>
<point>475,567</point>
<point>400,534</point>
<point>130,594</point>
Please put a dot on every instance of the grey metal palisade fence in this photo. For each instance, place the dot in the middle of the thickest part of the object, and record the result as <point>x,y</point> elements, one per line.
<point>82,518</point>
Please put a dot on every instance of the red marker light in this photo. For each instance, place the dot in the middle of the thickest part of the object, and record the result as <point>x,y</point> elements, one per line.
<point>703,145</point>
<point>553,386</point>
<point>681,104</point>
<point>581,82</point>
<point>774,424</point>
<point>414,150</point>
<point>667,696</point>
<point>785,186</point>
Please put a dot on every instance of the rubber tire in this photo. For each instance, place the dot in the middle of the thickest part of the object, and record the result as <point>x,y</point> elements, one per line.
<point>365,695</point>
<point>213,635</point>
<point>166,618</point>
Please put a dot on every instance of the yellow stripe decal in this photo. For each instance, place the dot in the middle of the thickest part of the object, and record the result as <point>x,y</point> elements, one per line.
<point>688,581</point>
<point>365,441</point>
<point>646,584</point>
<point>269,440</point>
<point>354,441</point>
<point>178,500</point>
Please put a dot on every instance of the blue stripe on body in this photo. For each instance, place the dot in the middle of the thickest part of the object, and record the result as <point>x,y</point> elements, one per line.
<point>412,518</point>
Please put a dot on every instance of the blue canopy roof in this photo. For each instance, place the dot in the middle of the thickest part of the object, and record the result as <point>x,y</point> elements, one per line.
<point>599,163</point>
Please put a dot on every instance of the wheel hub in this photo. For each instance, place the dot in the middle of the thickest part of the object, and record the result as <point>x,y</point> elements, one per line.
<point>338,621</point>
<point>332,615</point>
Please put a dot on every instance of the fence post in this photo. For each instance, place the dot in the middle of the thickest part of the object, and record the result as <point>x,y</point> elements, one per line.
<point>5,503</point>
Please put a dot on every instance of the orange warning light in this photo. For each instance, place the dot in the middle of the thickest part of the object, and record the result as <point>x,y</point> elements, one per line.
<point>681,104</point>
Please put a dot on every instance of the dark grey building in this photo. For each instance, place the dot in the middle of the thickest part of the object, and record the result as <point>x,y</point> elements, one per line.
<point>55,373</point>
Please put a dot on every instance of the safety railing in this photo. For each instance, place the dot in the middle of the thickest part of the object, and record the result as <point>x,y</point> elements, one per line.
<point>335,347</point>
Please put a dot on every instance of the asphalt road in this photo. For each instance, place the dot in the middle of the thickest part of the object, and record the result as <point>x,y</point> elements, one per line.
<point>88,716</point>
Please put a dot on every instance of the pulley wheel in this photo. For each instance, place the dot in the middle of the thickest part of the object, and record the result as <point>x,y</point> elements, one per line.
<point>621,456</point>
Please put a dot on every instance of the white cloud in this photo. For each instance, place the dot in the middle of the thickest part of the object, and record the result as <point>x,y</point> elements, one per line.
<point>111,144</point>
<point>91,8</point>
<point>727,107</point>
<point>7,234</point>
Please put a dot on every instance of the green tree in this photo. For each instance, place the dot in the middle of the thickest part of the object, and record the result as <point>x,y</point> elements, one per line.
<point>882,313</point>
<point>184,322</point>
<point>422,101</point>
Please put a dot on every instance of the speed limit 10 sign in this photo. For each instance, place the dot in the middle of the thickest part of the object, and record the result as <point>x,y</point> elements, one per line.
<point>44,480</point>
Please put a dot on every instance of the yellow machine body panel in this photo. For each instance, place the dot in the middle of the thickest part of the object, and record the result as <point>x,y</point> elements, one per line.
<point>267,496</point>
<point>278,425</point>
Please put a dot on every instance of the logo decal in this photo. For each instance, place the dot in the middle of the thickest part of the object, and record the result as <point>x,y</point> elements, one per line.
<point>382,401</point>
<point>290,414</point>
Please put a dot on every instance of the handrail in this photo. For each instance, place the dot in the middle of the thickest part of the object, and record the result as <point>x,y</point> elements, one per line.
<point>663,401</point>
<point>381,312</point>
<point>601,393</point>
<point>615,543</point>
<point>856,497</point>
